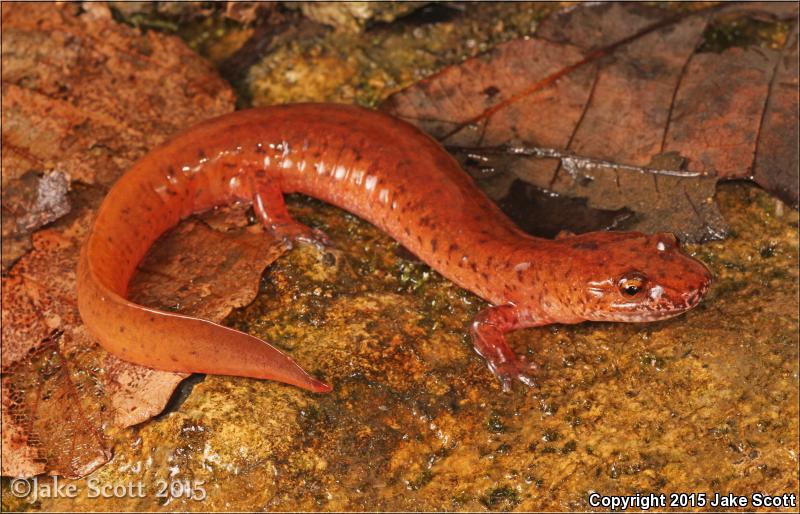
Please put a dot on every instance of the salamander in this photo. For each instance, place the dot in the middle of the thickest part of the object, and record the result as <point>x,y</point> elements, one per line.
<point>391,174</point>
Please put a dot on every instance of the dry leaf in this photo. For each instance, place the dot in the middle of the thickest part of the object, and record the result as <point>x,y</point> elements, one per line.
<point>54,403</point>
<point>613,103</point>
<point>87,97</point>
<point>220,254</point>
<point>30,202</point>
<point>63,393</point>
<point>84,96</point>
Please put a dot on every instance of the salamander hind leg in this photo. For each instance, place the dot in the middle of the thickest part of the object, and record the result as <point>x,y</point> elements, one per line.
<point>271,209</point>
<point>489,340</point>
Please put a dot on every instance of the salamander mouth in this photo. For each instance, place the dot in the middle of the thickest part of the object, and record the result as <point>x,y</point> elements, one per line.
<point>665,309</point>
<point>651,315</point>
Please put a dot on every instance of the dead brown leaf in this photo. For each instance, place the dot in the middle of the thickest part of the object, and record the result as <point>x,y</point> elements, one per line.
<point>86,97</point>
<point>63,394</point>
<point>54,398</point>
<point>30,202</point>
<point>83,97</point>
<point>776,161</point>
<point>612,103</point>
<point>220,255</point>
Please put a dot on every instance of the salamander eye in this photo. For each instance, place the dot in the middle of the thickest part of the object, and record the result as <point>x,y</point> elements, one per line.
<point>631,284</point>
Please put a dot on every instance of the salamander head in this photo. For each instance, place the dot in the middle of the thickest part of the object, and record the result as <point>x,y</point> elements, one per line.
<point>634,277</point>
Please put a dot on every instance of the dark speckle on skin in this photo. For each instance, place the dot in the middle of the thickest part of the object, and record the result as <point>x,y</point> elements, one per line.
<point>585,245</point>
<point>491,91</point>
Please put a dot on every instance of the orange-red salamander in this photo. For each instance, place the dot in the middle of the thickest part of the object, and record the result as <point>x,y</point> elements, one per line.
<point>392,175</point>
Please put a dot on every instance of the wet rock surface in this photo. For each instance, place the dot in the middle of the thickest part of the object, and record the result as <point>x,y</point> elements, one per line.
<point>704,402</point>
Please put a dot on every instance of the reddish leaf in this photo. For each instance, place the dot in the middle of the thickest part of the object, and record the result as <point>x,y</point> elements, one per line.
<point>62,393</point>
<point>53,400</point>
<point>776,162</point>
<point>83,97</point>
<point>612,103</point>
<point>203,268</point>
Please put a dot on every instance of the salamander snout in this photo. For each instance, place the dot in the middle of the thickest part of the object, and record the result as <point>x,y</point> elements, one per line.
<point>649,279</point>
<point>698,279</point>
<point>669,283</point>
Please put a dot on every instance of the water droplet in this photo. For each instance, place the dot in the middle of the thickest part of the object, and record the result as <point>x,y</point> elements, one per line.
<point>162,192</point>
<point>371,182</point>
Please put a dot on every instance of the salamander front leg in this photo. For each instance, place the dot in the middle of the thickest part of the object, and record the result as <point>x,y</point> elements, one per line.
<point>489,340</point>
<point>271,209</point>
